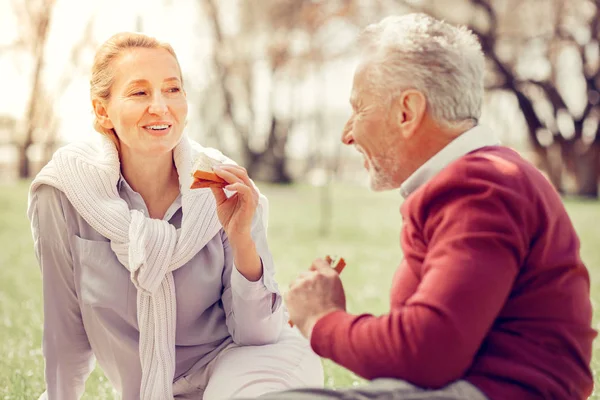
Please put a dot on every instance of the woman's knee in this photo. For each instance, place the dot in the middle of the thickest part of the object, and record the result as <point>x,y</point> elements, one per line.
<point>250,371</point>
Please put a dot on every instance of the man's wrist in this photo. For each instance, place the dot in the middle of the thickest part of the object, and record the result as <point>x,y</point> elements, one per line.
<point>311,322</point>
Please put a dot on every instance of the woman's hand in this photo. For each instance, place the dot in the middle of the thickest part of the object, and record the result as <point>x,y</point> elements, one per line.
<point>236,212</point>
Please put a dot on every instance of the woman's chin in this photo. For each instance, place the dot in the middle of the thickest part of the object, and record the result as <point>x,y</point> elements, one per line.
<point>161,144</point>
<point>157,149</point>
<point>151,146</point>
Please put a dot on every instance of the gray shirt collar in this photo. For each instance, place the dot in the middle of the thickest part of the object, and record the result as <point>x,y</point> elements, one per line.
<point>135,201</point>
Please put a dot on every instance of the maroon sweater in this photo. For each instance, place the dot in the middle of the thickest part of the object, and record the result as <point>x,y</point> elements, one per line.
<point>491,289</point>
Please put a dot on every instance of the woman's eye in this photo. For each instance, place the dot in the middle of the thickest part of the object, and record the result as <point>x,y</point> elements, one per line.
<point>140,93</point>
<point>174,90</point>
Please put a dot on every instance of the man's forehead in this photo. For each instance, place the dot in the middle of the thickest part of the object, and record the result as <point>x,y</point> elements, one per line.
<point>362,73</point>
<point>360,84</point>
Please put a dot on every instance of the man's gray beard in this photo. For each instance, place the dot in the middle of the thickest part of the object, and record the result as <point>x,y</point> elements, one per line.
<point>381,179</point>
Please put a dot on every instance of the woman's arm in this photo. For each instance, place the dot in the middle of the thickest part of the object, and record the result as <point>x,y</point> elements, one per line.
<point>67,352</point>
<point>254,310</point>
<point>251,300</point>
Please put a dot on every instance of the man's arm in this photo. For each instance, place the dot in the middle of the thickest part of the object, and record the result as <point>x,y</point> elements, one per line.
<point>473,256</point>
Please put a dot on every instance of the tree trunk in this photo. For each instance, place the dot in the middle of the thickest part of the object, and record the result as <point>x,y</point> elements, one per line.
<point>280,174</point>
<point>31,117</point>
<point>549,158</point>
<point>268,168</point>
<point>551,161</point>
<point>280,132</point>
<point>32,108</point>
<point>587,171</point>
<point>23,161</point>
<point>270,165</point>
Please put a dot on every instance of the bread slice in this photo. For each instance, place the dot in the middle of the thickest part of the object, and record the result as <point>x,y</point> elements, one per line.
<point>203,173</point>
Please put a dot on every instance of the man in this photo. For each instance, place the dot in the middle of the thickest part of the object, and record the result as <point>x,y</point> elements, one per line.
<point>491,300</point>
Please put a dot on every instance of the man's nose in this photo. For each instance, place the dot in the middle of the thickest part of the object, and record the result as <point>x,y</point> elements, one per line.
<point>347,133</point>
<point>158,105</point>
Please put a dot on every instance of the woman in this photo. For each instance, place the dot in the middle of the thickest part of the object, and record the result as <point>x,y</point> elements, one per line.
<point>170,289</point>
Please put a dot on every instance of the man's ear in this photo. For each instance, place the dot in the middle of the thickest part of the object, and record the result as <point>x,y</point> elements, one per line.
<point>101,114</point>
<point>409,107</point>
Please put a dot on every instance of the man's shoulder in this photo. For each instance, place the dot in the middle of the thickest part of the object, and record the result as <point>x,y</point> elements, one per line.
<point>495,181</point>
<point>493,166</point>
<point>497,173</point>
<point>493,162</point>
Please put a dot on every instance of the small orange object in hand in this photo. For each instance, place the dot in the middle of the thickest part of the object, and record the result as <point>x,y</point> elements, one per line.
<point>338,266</point>
<point>204,179</point>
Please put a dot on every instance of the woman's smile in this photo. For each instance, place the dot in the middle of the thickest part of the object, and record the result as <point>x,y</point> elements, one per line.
<point>158,129</point>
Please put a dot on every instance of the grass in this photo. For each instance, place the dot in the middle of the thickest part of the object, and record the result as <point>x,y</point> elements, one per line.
<point>364,227</point>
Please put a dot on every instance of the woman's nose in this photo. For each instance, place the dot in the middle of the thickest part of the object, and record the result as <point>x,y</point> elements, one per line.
<point>158,105</point>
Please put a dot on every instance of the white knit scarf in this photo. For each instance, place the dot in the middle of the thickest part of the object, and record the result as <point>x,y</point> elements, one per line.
<point>149,248</point>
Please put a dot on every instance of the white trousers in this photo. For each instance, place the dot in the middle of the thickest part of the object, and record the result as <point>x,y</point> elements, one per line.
<point>251,371</point>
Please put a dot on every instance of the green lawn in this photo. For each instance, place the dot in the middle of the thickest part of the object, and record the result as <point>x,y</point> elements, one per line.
<point>364,229</point>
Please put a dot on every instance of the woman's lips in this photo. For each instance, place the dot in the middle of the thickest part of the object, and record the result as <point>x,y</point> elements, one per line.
<point>158,132</point>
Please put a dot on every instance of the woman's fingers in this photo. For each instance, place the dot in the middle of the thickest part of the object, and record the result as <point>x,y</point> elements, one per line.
<point>239,172</point>
<point>219,194</point>
<point>240,188</point>
<point>236,174</point>
<point>227,175</point>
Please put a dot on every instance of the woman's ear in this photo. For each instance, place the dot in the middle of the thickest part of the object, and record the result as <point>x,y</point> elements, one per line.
<point>411,106</point>
<point>101,114</point>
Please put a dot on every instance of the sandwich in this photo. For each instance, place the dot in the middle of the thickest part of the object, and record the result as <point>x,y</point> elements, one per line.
<point>203,174</point>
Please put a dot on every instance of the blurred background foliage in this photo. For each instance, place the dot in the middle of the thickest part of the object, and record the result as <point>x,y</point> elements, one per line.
<point>268,81</point>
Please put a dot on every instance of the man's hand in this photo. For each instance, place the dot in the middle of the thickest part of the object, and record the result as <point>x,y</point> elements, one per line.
<point>313,295</point>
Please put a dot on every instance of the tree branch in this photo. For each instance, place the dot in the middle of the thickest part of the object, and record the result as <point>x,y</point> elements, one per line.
<point>223,72</point>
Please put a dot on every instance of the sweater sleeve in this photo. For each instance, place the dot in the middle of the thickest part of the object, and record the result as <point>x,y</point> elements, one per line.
<point>67,352</point>
<point>473,250</point>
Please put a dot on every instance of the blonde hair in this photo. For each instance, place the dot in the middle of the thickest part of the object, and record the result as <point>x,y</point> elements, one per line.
<point>103,73</point>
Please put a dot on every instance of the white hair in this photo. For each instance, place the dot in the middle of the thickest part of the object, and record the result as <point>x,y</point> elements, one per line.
<point>442,61</point>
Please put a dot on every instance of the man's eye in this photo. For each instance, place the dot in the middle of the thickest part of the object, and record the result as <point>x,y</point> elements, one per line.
<point>174,90</point>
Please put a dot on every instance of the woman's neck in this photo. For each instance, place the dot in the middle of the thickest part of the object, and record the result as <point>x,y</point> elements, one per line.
<point>155,178</point>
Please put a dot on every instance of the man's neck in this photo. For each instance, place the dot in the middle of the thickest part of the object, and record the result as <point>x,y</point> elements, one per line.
<point>434,138</point>
<point>152,177</point>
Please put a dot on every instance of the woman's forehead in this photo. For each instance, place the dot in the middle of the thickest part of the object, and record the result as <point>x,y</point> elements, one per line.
<point>145,64</point>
